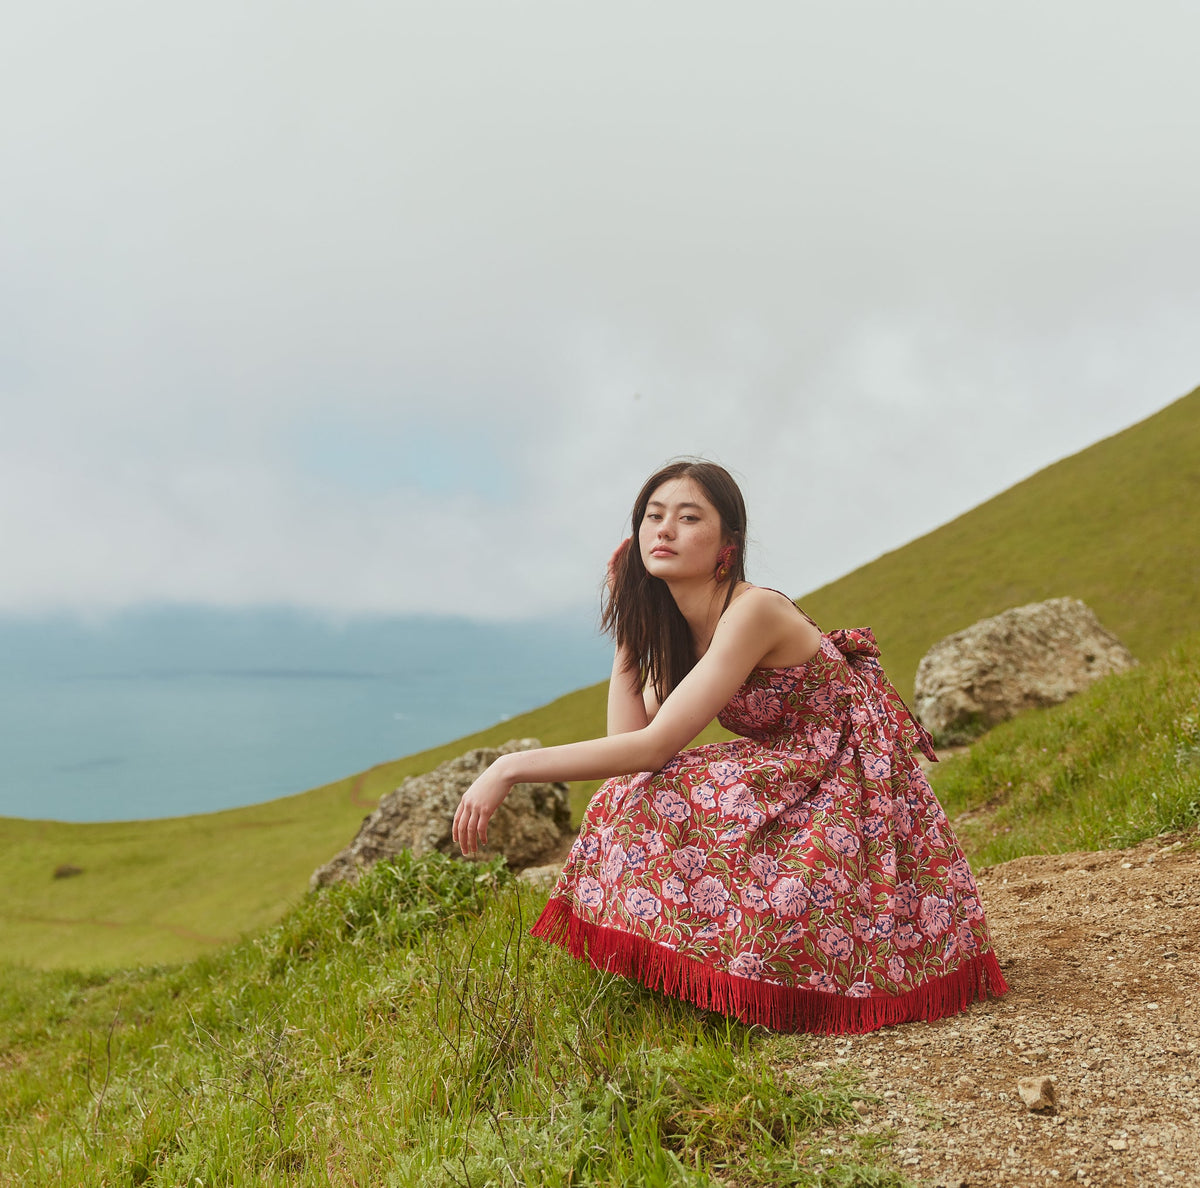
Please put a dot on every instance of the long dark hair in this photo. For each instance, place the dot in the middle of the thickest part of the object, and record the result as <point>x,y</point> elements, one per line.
<point>639,611</point>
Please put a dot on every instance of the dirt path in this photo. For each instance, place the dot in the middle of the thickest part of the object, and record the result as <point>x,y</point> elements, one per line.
<point>1102,953</point>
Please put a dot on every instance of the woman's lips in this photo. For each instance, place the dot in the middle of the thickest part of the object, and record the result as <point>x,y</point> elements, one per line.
<point>662,552</point>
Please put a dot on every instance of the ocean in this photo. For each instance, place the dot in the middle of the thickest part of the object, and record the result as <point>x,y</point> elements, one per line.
<point>166,712</point>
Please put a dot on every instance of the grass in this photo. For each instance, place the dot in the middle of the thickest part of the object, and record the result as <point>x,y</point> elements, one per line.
<point>1117,525</point>
<point>1116,764</point>
<point>404,1032</point>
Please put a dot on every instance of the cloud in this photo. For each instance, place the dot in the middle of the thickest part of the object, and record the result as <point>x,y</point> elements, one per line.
<point>390,308</point>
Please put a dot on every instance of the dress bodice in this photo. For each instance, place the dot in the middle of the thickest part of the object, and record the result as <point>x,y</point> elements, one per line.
<point>843,687</point>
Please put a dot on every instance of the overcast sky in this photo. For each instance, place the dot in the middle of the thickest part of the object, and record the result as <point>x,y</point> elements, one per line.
<point>390,307</point>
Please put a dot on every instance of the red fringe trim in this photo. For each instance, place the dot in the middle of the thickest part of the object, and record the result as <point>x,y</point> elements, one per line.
<point>782,1008</point>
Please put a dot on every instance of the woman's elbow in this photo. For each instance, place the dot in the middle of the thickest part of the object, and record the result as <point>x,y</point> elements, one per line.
<point>659,751</point>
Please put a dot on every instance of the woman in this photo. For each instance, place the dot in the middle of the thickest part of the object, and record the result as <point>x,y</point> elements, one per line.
<point>802,876</point>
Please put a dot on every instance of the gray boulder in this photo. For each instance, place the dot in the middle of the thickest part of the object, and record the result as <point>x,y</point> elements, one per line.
<point>1035,655</point>
<point>528,828</point>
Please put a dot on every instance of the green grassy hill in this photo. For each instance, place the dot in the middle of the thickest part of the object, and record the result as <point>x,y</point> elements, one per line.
<point>1117,525</point>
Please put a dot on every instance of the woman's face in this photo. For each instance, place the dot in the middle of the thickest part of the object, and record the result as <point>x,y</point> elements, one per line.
<point>680,534</point>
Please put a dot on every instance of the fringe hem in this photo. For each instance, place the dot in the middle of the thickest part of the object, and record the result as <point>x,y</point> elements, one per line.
<point>781,1008</point>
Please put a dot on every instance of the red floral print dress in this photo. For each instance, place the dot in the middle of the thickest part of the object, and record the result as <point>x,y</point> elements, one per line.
<point>802,876</point>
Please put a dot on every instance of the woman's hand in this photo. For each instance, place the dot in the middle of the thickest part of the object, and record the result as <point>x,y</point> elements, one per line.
<point>613,562</point>
<point>478,804</point>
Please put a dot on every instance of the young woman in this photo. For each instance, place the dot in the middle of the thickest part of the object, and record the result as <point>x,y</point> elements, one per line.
<point>802,876</point>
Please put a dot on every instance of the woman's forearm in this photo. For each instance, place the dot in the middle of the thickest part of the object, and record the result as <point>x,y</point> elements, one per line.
<point>626,706</point>
<point>595,759</point>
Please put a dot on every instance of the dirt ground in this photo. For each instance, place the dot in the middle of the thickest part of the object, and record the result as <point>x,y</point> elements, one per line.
<point>1100,951</point>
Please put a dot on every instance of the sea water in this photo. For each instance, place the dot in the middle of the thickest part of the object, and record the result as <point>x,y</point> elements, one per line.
<point>158,713</point>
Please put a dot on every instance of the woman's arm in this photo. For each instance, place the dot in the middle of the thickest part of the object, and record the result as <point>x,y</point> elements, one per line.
<point>626,707</point>
<point>747,631</point>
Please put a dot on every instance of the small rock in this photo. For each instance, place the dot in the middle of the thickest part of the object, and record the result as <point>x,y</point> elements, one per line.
<point>1037,1092</point>
<point>67,871</point>
<point>1118,1144</point>
<point>541,876</point>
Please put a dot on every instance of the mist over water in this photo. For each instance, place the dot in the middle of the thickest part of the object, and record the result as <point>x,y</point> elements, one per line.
<point>167,712</point>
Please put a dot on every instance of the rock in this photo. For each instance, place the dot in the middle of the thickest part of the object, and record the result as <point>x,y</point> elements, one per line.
<point>527,828</point>
<point>1035,655</point>
<point>67,871</point>
<point>541,876</point>
<point>1037,1092</point>
<point>1118,1144</point>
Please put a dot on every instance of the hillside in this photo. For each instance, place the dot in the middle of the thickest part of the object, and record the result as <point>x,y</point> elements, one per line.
<point>1117,525</point>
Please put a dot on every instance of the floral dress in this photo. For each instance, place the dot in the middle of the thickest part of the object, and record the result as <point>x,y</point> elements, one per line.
<point>802,876</point>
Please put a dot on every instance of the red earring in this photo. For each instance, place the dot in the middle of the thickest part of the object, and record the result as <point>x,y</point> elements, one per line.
<point>725,561</point>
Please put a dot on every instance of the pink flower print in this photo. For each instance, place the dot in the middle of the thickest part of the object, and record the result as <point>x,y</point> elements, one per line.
<point>614,862</point>
<point>705,795</point>
<point>863,894</point>
<point>881,804</point>
<point>708,932</point>
<point>675,889</point>
<point>655,845</point>
<point>794,933</point>
<point>617,794</point>
<point>635,856</point>
<point>734,834</point>
<point>689,861</point>
<point>884,926</point>
<point>589,847</point>
<point>672,806</point>
<point>972,908</point>
<point>908,899</point>
<point>822,981</point>
<point>933,835</point>
<point>895,968</point>
<point>960,876</point>
<point>860,990</point>
<point>753,897</point>
<point>724,771</point>
<point>765,868</point>
<point>747,965</point>
<point>903,823</point>
<point>798,815</point>
<point>789,897</point>
<point>822,800</point>
<point>589,893</point>
<point>821,895</point>
<point>863,929</point>
<point>842,841</point>
<point>950,948</point>
<point>966,938</point>
<point>709,896</point>
<point>877,767</point>
<point>733,918</point>
<point>887,864</point>
<point>738,801</point>
<point>907,937</point>
<point>642,904</point>
<point>764,706</point>
<point>935,915</point>
<point>825,741</point>
<point>874,827</point>
<point>838,881</point>
<point>835,942</point>
<point>823,698</point>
